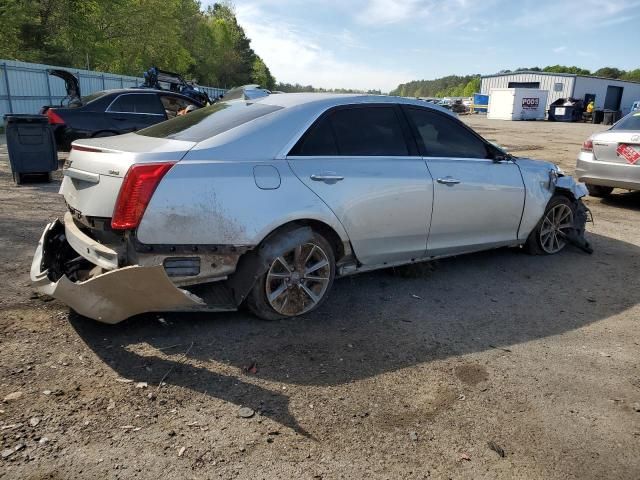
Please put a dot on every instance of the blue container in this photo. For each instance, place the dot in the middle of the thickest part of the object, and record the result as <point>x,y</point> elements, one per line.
<point>480,103</point>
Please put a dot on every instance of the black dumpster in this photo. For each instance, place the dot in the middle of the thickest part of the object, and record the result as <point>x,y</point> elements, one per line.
<point>563,113</point>
<point>598,116</point>
<point>609,117</point>
<point>31,145</point>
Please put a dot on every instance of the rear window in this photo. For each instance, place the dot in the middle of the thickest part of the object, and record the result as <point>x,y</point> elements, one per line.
<point>209,121</point>
<point>630,122</point>
<point>94,96</point>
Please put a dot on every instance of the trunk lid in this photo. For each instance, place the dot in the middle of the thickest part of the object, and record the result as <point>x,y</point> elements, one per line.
<point>605,145</point>
<point>71,85</point>
<point>94,172</point>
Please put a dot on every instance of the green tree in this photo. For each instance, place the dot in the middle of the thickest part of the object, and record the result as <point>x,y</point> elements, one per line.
<point>609,72</point>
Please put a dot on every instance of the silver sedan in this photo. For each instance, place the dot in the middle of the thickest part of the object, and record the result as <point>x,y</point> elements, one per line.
<point>266,201</point>
<point>611,159</point>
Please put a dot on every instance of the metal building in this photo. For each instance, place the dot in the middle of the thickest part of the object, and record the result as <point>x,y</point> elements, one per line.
<point>609,94</point>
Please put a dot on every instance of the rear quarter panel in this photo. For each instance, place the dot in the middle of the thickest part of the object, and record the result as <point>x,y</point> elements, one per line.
<point>219,203</point>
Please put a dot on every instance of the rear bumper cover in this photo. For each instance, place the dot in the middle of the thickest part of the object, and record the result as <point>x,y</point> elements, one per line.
<point>112,296</point>
<point>607,174</point>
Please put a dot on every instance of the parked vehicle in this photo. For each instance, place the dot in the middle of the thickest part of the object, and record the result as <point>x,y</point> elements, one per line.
<point>109,112</point>
<point>611,159</point>
<point>265,202</point>
<point>246,92</point>
<point>635,106</point>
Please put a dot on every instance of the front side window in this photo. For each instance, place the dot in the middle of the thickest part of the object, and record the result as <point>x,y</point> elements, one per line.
<point>444,136</point>
<point>137,103</point>
<point>358,131</point>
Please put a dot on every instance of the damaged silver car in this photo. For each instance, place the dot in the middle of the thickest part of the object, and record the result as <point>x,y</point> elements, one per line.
<point>264,202</point>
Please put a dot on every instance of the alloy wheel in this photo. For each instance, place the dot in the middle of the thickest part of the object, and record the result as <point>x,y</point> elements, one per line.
<point>298,280</point>
<point>557,223</point>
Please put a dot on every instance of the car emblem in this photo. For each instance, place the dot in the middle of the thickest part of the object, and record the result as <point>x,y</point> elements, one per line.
<point>114,172</point>
<point>635,138</point>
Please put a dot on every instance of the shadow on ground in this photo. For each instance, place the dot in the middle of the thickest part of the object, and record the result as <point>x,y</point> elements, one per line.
<point>376,323</point>
<point>630,200</point>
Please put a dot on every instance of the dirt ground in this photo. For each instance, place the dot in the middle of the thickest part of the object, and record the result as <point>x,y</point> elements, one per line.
<point>493,365</point>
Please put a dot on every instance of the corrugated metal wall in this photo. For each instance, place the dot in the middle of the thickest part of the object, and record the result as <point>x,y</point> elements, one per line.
<point>558,86</point>
<point>25,87</point>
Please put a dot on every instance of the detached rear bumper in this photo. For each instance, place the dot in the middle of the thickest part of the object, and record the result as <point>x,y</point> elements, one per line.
<point>108,297</point>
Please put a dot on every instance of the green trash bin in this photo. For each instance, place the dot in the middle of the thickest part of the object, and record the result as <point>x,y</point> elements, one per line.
<point>31,146</point>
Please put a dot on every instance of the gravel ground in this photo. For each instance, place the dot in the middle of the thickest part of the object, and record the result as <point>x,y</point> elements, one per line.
<point>492,365</point>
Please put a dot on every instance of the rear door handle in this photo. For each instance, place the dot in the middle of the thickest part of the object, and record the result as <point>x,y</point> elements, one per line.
<point>328,177</point>
<point>449,181</point>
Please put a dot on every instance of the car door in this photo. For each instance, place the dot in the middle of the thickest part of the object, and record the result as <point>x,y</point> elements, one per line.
<point>363,163</point>
<point>478,197</point>
<point>133,111</point>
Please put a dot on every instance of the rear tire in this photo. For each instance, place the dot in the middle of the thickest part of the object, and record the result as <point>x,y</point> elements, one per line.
<point>547,238</point>
<point>17,177</point>
<point>599,191</point>
<point>296,282</point>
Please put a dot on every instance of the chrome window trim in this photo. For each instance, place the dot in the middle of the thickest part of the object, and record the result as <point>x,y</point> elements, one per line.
<point>108,109</point>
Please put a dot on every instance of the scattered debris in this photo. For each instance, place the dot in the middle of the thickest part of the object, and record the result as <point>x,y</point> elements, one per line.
<point>246,412</point>
<point>152,395</point>
<point>636,407</point>
<point>496,448</point>
<point>181,451</point>
<point>142,385</point>
<point>413,436</point>
<point>461,397</point>
<point>34,421</point>
<point>10,451</point>
<point>184,355</point>
<point>464,457</point>
<point>111,405</point>
<point>128,427</point>
<point>591,300</point>
<point>47,392</point>
<point>417,297</point>
<point>124,380</point>
<point>13,396</point>
<point>500,348</point>
<point>43,440</point>
<point>251,368</point>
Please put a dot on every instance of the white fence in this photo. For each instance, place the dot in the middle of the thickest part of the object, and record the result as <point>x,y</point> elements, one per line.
<point>25,87</point>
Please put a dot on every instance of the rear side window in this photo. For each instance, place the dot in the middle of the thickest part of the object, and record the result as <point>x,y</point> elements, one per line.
<point>137,103</point>
<point>630,122</point>
<point>444,136</point>
<point>209,121</point>
<point>359,131</point>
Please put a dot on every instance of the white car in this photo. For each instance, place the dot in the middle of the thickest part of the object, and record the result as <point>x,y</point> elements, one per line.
<point>266,201</point>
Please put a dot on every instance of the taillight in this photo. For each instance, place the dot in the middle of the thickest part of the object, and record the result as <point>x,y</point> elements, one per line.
<point>587,146</point>
<point>135,194</point>
<point>54,118</point>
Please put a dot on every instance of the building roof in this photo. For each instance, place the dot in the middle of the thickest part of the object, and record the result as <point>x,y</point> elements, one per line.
<point>533,72</point>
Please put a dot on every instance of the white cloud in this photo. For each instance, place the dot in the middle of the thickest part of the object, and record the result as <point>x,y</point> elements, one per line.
<point>433,14</point>
<point>560,49</point>
<point>584,14</point>
<point>297,56</point>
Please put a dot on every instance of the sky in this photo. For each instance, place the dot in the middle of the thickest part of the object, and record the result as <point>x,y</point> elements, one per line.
<point>378,44</point>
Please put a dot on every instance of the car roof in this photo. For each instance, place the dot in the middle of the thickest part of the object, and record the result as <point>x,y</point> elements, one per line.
<point>326,100</point>
<point>113,91</point>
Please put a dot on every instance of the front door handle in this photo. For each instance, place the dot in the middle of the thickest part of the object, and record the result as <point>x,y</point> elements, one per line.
<point>328,177</point>
<point>450,181</point>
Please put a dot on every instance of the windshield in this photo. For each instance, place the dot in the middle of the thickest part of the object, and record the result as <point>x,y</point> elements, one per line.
<point>209,121</point>
<point>630,122</point>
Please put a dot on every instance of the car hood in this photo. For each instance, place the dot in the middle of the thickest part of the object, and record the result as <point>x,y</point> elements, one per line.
<point>71,83</point>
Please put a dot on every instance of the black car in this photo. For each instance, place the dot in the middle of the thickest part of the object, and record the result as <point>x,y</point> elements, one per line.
<point>110,112</point>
